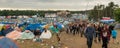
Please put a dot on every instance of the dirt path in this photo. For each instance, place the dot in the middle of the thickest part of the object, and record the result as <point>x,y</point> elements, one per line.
<point>67,40</point>
<point>76,41</point>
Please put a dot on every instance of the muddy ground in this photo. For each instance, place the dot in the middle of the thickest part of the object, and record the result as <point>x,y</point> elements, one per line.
<point>67,41</point>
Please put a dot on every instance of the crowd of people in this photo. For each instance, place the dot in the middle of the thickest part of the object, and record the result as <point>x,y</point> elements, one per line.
<point>98,31</point>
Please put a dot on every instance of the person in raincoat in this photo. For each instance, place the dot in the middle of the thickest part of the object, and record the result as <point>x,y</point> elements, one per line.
<point>114,35</point>
<point>89,34</point>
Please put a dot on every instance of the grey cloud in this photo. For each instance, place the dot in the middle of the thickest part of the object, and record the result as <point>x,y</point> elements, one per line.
<point>53,4</point>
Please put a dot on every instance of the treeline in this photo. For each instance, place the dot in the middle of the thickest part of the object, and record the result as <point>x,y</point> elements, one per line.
<point>30,12</point>
<point>100,11</point>
<point>23,12</point>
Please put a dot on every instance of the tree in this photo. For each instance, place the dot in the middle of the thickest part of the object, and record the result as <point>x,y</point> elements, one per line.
<point>117,14</point>
<point>100,11</point>
<point>110,9</point>
<point>96,13</point>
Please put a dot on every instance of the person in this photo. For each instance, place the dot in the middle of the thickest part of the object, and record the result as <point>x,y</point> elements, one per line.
<point>105,37</point>
<point>99,32</point>
<point>89,34</point>
<point>114,35</point>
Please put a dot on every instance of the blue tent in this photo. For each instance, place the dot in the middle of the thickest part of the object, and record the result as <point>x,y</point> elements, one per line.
<point>7,43</point>
<point>59,25</point>
<point>6,31</point>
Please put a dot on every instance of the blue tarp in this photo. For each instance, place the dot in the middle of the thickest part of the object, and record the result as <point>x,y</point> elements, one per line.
<point>35,26</point>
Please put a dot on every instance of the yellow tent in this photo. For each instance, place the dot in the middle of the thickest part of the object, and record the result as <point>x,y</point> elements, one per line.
<point>1,26</point>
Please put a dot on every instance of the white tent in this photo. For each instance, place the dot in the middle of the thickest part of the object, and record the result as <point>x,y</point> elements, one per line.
<point>46,35</point>
<point>27,35</point>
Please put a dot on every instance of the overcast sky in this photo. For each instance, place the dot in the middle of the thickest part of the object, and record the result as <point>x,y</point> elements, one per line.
<point>53,4</point>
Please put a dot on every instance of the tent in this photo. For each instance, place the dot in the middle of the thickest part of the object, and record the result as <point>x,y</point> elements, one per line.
<point>66,22</point>
<point>46,35</point>
<point>27,35</point>
<point>14,35</point>
<point>7,43</point>
<point>60,26</point>
<point>1,26</point>
<point>46,26</point>
<point>7,22</point>
<point>6,31</point>
<point>117,26</point>
<point>53,29</point>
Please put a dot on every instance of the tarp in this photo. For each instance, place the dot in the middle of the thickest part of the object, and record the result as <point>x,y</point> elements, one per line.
<point>46,35</point>
<point>7,43</point>
<point>34,26</point>
<point>14,35</point>
<point>27,35</point>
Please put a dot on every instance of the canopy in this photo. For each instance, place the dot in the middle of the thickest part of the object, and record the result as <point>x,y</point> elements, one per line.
<point>107,21</point>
